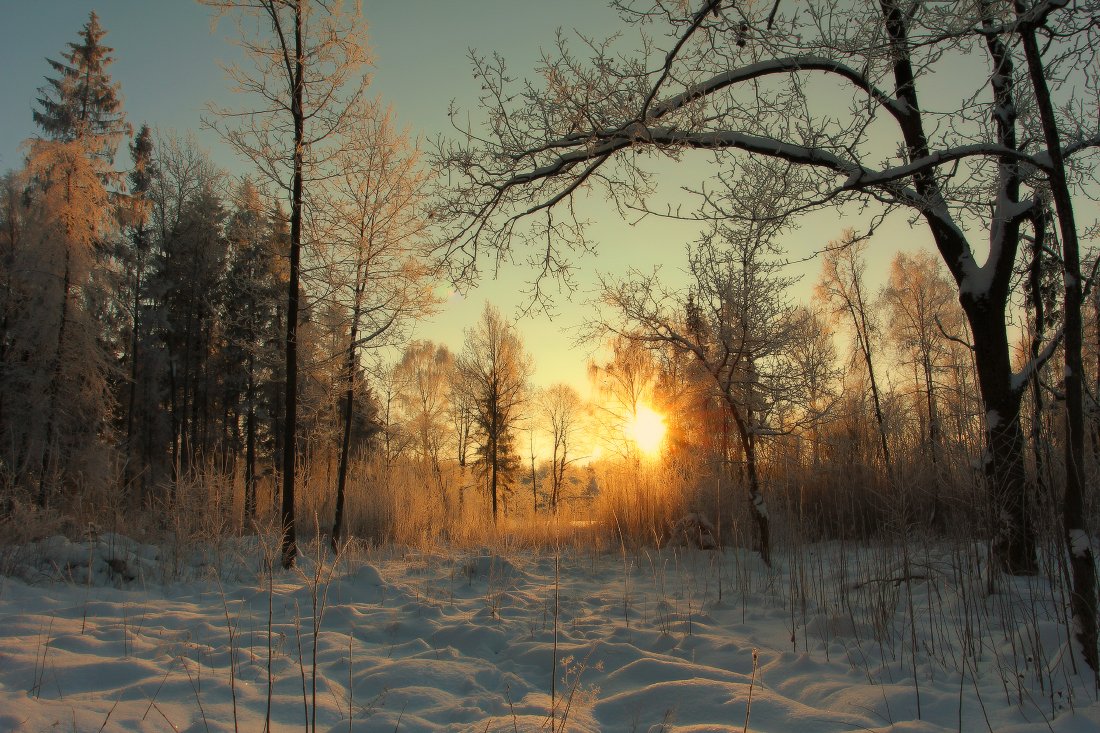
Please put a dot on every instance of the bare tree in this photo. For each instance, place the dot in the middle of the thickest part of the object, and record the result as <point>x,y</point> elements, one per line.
<point>841,287</point>
<point>382,265</point>
<point>737,324</point>
<point>425,373</point>
<point>563,412</point>
<point>494,370</point>
<point>814,358</point>
<point>460,409</point>
<point>922,314</point>
<point>1035,23</point>
<point>623,383</point>
<point>397,437</point>
<point>731,77</point>
<point>308,74</point>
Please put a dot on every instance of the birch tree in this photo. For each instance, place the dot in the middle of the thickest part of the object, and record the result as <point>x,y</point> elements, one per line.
<point>308,72</point>
<point>382,265</point>
<point>426,371</point>
<point>563,416</point>
<point>842,287</point>
<point>920,308</point>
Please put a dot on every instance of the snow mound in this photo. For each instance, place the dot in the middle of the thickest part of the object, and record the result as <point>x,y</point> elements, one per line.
<point>695,530</point>
<point>106,559</point>
<point>487,565</point>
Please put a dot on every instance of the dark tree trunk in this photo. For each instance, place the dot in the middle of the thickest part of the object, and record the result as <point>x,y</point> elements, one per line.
<point>859,317</point>
<point>1096,385</point>
<point>933,438</point>
<point>534,482</point>
<point>54,389</point>
<point>930,406</point>
<point>1035,284</point>
<point>1083,600</point>
<point>250,447</point>
<point>345,442</point>
<point>290,443</point>
<point>984,303</point>
<point>174,419</point>
<point>186,421</point>
<point>135,359</point>
<point>1014,543</point>
<point>493,463</point>
<point>757,507</point>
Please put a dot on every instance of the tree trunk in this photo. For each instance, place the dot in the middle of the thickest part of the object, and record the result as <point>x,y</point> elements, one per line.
<point>1096,386</point>
<point>985,305</point>
<point>493,471</point>
<point>54,388</point>
<point>933,437</point>
<point>345,442</point>
<point>1014,541</point>
<point>859,318</point>
<point>250,446</point>
<point>757,507</point>
<point>135,345</point>
<point>1083,601</point>
<point>534,483</point>
<point>1035,284</point>
<point>289,548</point>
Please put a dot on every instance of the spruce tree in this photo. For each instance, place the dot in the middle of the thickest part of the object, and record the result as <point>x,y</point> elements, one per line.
<point>82,103</point>
<point>253,292</point>
<point>134,255</point>
<point>70,216</point>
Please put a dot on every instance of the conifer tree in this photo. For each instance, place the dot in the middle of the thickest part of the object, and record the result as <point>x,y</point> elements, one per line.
<point>191,283</point>
<point>253,284</point>
<point>69,218</point>
<point>134,256</point>
<point>82,102</point>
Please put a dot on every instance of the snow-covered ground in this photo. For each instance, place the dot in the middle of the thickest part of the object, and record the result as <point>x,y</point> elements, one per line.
<point>672,640</point>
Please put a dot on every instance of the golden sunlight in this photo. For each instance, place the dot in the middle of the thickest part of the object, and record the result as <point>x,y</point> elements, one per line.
<point>647,430</point>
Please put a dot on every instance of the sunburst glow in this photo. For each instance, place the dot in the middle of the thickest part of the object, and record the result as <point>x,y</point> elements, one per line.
<point>647,430</point>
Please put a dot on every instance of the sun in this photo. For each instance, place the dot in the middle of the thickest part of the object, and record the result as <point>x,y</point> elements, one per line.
<point>647,430</point>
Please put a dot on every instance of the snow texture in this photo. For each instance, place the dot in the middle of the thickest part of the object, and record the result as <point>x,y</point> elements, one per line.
<point>1079,545</point>
<point>992,419</point>
<point>468,641</point>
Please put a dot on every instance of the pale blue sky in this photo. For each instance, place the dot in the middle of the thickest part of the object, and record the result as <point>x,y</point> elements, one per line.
<point>166,59</point>
<point>167,63</point>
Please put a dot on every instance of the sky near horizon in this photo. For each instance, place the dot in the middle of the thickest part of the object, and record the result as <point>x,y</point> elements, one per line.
<point>167,61</point>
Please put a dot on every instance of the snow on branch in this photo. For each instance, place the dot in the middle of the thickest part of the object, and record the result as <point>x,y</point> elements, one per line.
<point>857,176</point>
<point>772,67</point>
<point>1043,159</point>
<point>1021,379</point>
